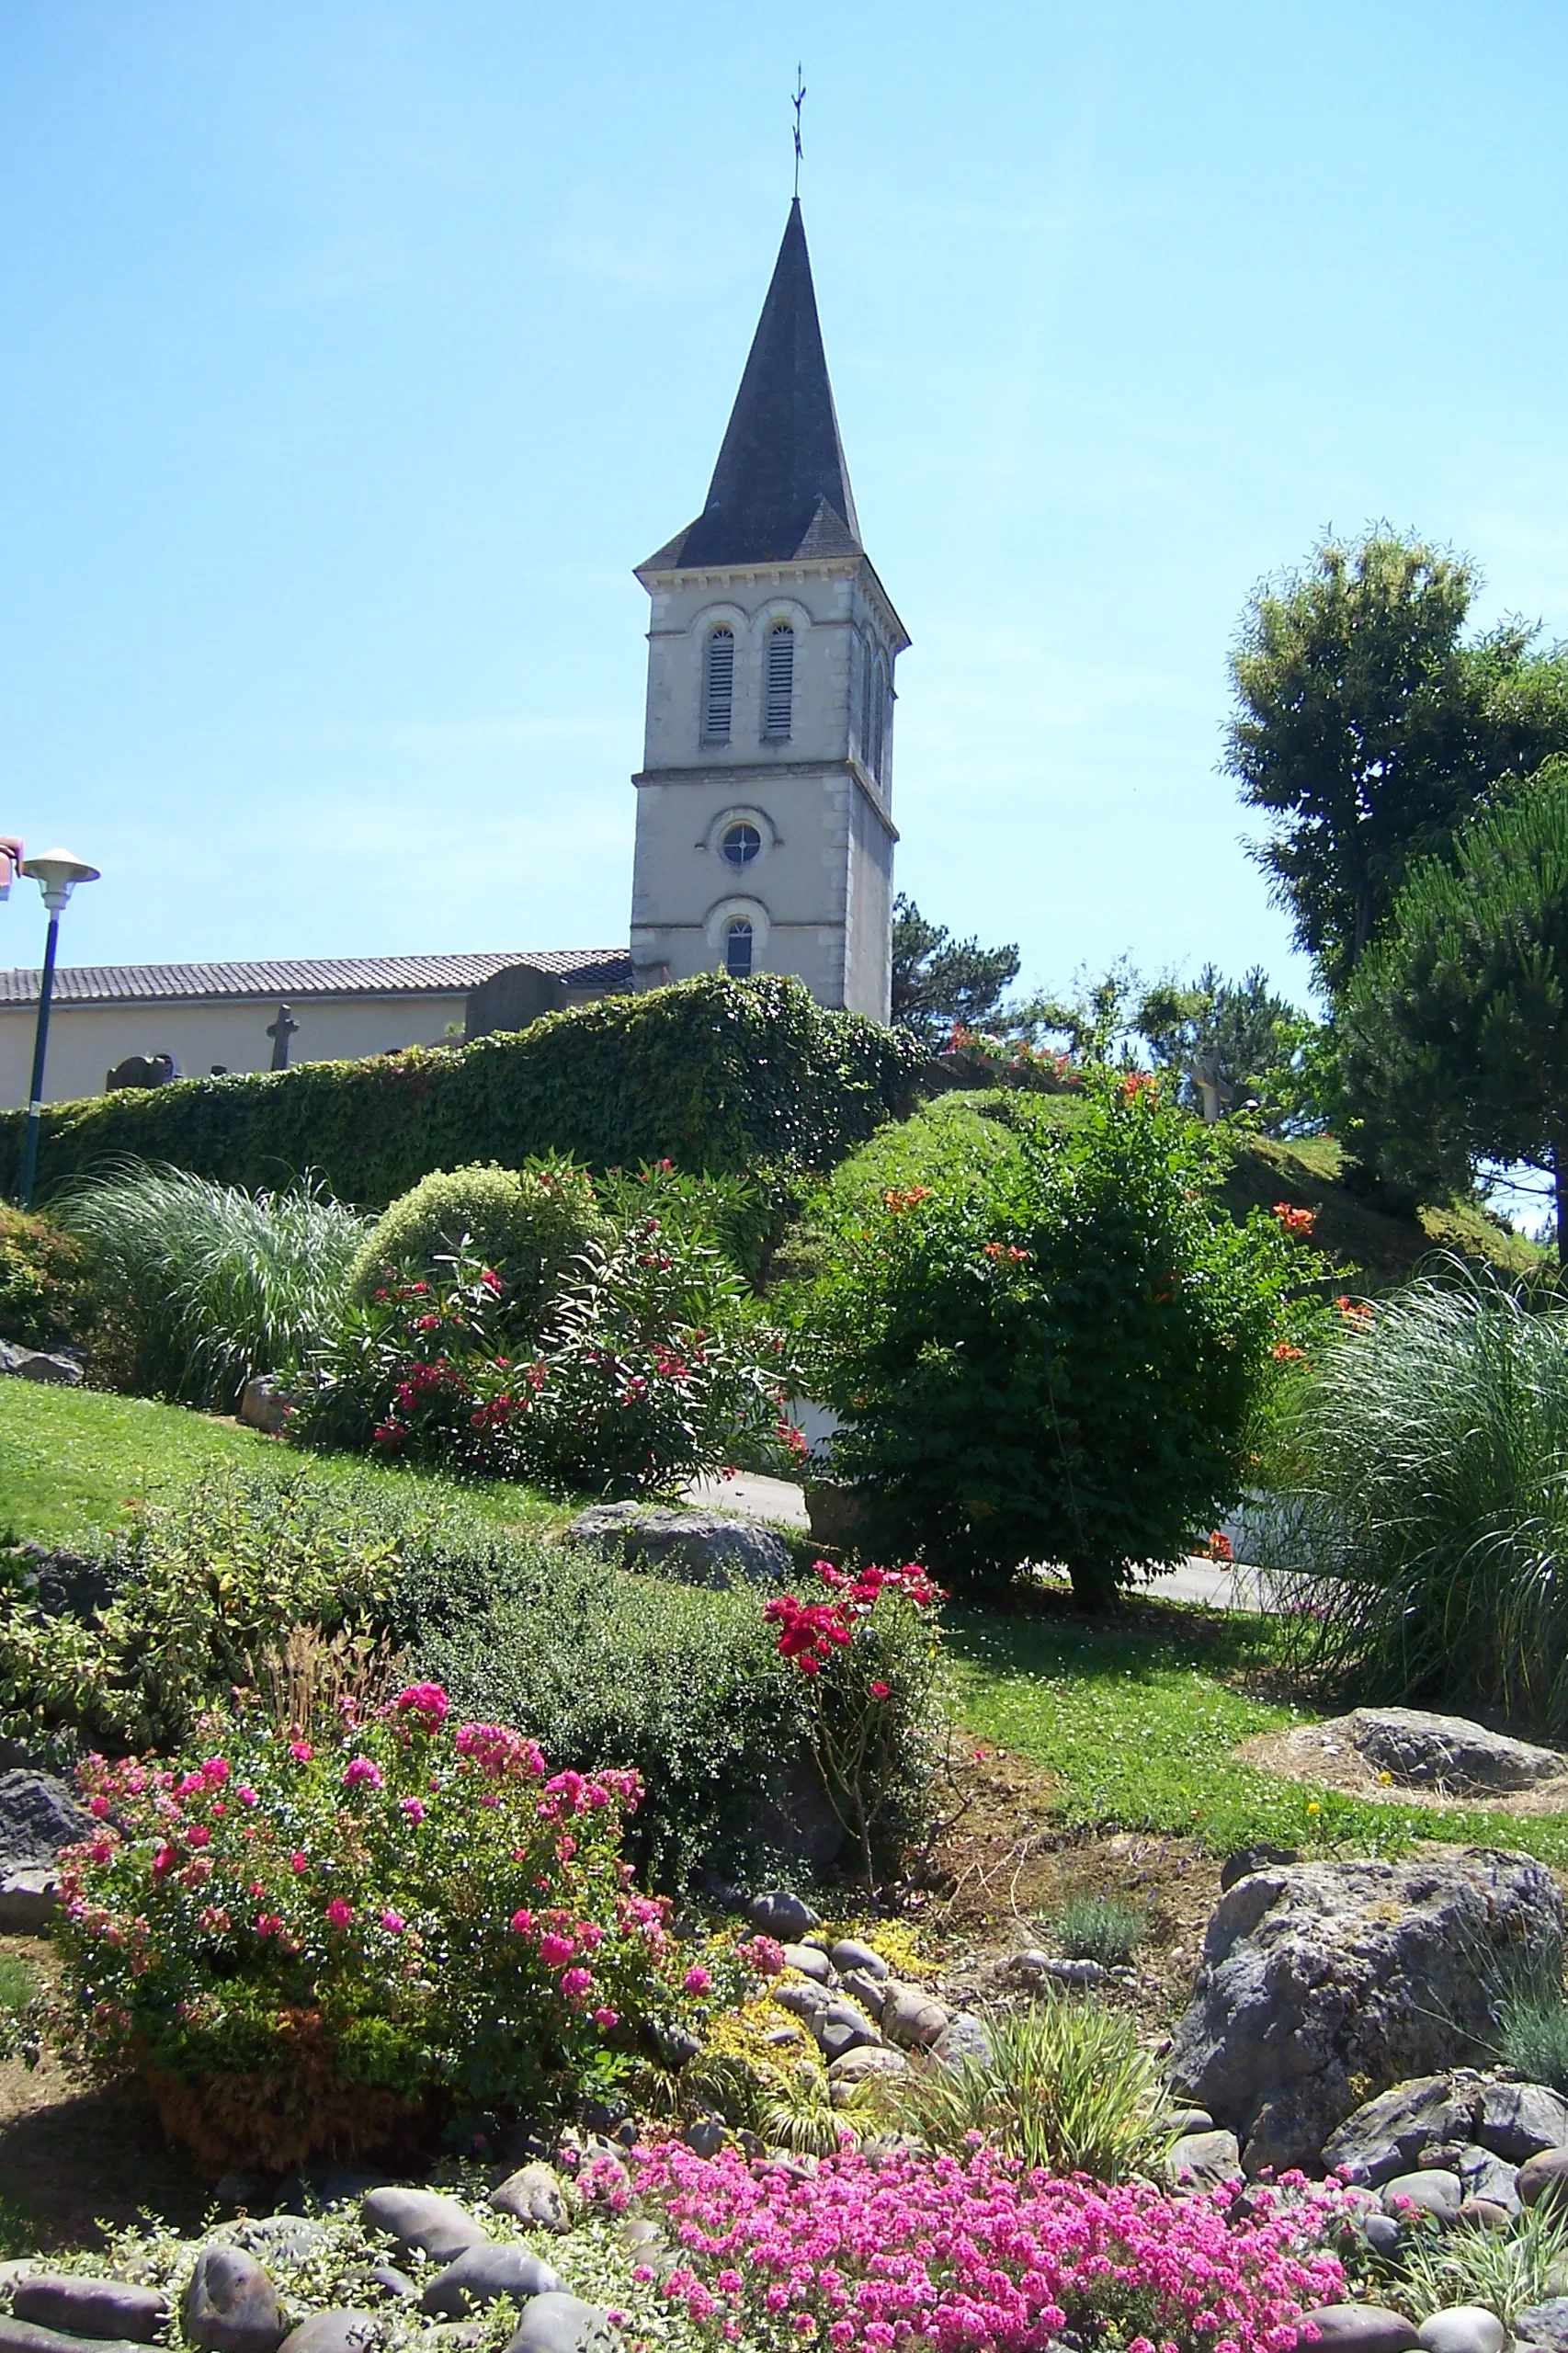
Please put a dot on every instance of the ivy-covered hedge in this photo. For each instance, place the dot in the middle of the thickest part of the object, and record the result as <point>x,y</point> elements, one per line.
<point>717,1075</point>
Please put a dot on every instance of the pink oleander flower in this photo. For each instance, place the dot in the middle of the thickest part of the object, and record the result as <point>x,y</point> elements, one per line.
<point>425,1700</point>
<point>359,1769</point>
<point>606,2018</point>
<point>300,1751</point>
<point>215,1772</point>
<point>522,1924</point>
<point>199,1834</point>
<point>697,1980</point>
<point>576,1983</point>
<point>393,1922</point>
<point>340,1913</point>
<point>97,1807</point>
<point>245,1795</point>
<point>297,1863</point>
<point>413,1808</point>
<point>555,1949</point>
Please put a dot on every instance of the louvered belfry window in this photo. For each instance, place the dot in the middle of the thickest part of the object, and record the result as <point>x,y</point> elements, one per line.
<point>719,686</point>
<point>778,709</point>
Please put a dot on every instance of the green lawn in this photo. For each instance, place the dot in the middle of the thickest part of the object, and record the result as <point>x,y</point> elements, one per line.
<point>72,1460</point>
<point>1138,1721</point>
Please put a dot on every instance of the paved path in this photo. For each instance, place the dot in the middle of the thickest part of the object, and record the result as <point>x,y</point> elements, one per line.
<point>1199,1579</point>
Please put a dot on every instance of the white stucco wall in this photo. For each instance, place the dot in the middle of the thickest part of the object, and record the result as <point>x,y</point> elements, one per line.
<point>819,895</point>
<point>85,1041</point>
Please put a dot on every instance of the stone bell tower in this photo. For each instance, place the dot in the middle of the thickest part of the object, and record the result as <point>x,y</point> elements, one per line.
<point>765,832</point>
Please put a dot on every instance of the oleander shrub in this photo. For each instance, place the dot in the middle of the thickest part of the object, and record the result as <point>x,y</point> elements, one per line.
<point>1058,1352</point>
<point>653,1364</point>
<point>45,1293</point>
<point>332,1946</point>
<point>528,1224</point>
<point>718,1075</point>
<point>202,1285</point>
<point>908,2248</point>
<point>1421,1496</point>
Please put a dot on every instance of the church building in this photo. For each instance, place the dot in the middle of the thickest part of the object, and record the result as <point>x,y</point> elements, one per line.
<point>765,833</point>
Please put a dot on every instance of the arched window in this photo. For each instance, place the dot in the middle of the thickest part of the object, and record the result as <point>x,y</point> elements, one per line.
<point>778,705</point>
<point>738,947</point>
<point>739,844</point>
<point>718,685</point>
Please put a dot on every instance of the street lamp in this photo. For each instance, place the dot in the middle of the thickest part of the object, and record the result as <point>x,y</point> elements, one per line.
<point>57,873</point>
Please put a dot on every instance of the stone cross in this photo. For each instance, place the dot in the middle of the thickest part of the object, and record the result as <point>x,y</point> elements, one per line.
<point>280,1031</point>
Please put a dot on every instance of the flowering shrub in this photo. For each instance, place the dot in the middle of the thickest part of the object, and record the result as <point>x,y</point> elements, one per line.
<point>1054,1353</point>
<point>653,1366</point>
<point>44,1282</point>
<point>852,1652</point>
<point>526,1224</point>
<point>950,2252</point>
<point>304,1946</point>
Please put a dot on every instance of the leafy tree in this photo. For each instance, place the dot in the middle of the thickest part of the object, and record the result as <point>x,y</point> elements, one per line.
<point>1370,733</point>
<point>1230,1044</point>
<point>1455,1026</point>
<point>1097,1023</point>
<point>939,981</point>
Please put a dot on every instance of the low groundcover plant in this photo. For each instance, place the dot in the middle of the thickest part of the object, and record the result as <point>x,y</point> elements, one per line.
<point>948,2252</point>
<point>335,1945</point>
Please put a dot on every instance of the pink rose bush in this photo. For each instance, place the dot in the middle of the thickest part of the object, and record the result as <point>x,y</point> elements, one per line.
<point>948,2253</point>
<point>414,1916</point>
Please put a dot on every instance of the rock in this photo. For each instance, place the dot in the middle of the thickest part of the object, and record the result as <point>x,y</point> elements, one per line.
<point>1430,2191</point>
<point>842,2027</point>
<point>779,1914</point>
<point>91,2307</point>
<point>421,2219</point>
<point>811,1962</point>
<point>1544,2324</point>
<point>1314,1974</point>
<point>701,1547</point>
<point>1356,2328</point>
<point>396,2283</point>
<point>849,1953</point>
<point>534,2194</point>
<point>266,1404</point>
<point>1419,1750</point>
<point>1189,2120</point>
<point>231,2306</point>
<point>678,2045</point>
<point>1382,2233</point>
<point>1543,2176</point>
<point>868,2059</point>
<point>336,2332</point>
<point>1518,2120</point>
<point>455,2337</point>
<point>287,2234</point>
<point>1075,1973</point>
<point>1248,1859</point>
<point>560,2323</point>
<point>805,2000</point>
<point>29,1898</point>
<point>37,1817</point>
<point>912,2017</point>
<point>480,2274</point>
<point>1484,2214</point>
<point>707,2136</point>
<point>1462,2329</point>
<point>638,2231</point>
<point>1482,2174</point>
<point>962,2042</point>
<point>28,2336</point>
<point>40,1364</point>
<point>1203,2159</point>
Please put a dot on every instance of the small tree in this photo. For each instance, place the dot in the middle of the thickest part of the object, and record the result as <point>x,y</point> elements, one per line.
<point>1370,732</point>
<point>939,981</point>
<point>1456,1027</point>
<point>1056,1356</point>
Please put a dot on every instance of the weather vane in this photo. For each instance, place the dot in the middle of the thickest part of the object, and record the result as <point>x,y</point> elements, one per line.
<point>796,102</point>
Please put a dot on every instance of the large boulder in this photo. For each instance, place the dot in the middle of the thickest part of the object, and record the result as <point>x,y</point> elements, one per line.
<point>1321,1979</point>
<point>1393,2133</point>
<point>1423,1750</point>
<point>37,1816</point>
<point>705,1548</point>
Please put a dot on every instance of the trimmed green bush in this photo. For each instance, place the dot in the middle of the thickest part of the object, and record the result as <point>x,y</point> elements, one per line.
<point>720,1076</point>
<point>528,1224</point>
<point>44,1281</point>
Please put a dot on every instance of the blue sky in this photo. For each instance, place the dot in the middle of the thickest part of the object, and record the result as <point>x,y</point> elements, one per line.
<point>356,352</point>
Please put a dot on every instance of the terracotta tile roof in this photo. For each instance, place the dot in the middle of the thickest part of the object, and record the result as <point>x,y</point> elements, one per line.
<point>312,976</point>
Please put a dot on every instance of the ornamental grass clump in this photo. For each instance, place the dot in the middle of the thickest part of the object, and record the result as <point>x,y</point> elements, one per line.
<point>334,1946</point>
<point>1422,1486</point>
<point>954,2251</point>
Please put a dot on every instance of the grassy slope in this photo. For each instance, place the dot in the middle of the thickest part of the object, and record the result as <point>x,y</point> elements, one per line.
<point>75,1458</point>
<point>1138,1719</point>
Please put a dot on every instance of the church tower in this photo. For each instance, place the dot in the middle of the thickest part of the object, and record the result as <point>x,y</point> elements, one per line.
<point>765,833</point>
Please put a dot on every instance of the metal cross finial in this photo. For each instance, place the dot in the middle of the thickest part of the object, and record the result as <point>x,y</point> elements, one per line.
<point>797,102</point>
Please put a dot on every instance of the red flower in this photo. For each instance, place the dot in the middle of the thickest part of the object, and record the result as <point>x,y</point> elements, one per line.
<point>880,1690</point>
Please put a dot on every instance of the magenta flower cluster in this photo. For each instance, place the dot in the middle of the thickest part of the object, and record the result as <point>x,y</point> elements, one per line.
<point>949,2253</point>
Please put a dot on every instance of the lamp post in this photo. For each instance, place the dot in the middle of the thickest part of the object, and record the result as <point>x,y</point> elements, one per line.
<point>57,873</point>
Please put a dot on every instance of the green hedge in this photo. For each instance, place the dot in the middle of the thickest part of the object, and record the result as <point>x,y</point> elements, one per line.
<point>716,1075</point>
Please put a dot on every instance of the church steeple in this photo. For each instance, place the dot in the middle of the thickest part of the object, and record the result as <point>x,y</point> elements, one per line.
<point>780,489</point>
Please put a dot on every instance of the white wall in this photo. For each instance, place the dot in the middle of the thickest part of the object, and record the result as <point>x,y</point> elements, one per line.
<point>86,1040</point>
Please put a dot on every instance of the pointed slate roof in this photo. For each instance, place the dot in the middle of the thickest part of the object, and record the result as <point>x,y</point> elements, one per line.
<point>781,487</point>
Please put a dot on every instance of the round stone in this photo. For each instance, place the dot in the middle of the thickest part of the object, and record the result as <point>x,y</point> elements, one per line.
<point>343,2332</point>
<point>1431,2192</point>
<point>1463,2328</point>
<point>437,2226</point>
<point>1356,2328</point>
<point>534,2194</point>
<point>90,2307</point>
<point>1543,2176</point>
<point>1484,2214</point>
<point>481,2274</point>
<point>811,1960</point>
<point>559,2323</point>
<point>231,2306</point>
<point>850,1953</point>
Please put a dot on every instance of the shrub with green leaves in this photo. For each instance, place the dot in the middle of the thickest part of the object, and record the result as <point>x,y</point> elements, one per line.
<point>1421,1477</point>
<point>203,1285</point>
<point>44,1288</point>
<point>1086,1927</point>
<point>528,1224</point>
<point>1054,1354</point>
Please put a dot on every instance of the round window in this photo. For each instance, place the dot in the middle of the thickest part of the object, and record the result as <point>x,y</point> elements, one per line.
<point>739,845</point>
